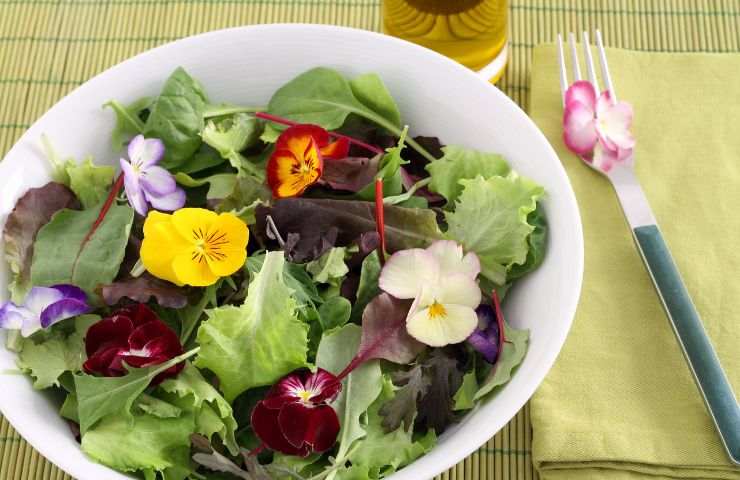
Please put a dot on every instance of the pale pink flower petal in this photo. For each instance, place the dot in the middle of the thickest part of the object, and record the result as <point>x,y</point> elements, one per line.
<point>613,123</point>
<point>583,92</point>
<point>579,127</point>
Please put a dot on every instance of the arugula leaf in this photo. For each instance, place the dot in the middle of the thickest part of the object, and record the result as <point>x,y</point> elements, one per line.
<point>370,90</point>
<point>98,397</point>
<point>460,163</point>
<point>90,182</point>
<point>368,287</point>
<point>259,342</point>
<point>128,120</point>
<point>388,451</point>
<point>144,288</point>
<point>176,117</point>
<point>512,354</point>
<point>212,412</point>
<point>220,185</point>
<point>537,245</point>
<point>142,443</point>
<point>359,389</point>
<point>329,267</point>
<point>490,219</point>
<point>32,211</point>
<point>61,254</point>
<point>310,219</point>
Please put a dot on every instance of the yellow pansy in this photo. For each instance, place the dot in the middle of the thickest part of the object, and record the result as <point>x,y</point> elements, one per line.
<point>193,246</point>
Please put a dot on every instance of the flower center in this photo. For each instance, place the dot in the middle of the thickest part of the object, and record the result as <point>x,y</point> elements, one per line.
<point>208,245</point>
<point>304,395</point>
<point>437,310</point>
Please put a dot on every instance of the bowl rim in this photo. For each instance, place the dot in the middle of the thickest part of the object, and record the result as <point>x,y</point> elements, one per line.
<point>458,451</point>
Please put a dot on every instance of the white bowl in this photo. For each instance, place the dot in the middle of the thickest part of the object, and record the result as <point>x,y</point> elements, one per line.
<point>245,66</point>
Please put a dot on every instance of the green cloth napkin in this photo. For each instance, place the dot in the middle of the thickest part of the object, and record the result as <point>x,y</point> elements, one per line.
<point>620,402</point>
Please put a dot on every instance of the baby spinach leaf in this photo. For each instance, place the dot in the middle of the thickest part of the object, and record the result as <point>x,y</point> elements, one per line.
<point>61,254</point>
<point>176,117</point>
<point>490,219</point>
<point>98,397</point>
<point>220,185</point>
<point>32,211</point>
<point>512,354</point>
<point>206,157</point>
<point>128,120</point>
<point>259,342</point>
<point>460,163</point>
<point>144,288</point>
<point>359,389</point>
<point>368,287</point>
<point>334,313</point>
<point>370,90</point>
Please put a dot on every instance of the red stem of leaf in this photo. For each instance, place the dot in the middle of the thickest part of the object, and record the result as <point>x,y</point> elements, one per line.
<point>356,362</point>
<point>104,211</point>
<point>290,123</point>
<point>499,321</point>
<point>257,450</point>
<point>380,218</point>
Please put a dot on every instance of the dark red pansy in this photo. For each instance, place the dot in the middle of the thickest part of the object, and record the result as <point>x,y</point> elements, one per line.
<point>294,417</point>
<point>133,335</point>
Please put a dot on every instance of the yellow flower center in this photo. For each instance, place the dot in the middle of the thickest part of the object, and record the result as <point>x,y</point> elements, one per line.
<point>304,395</point>
<point>207,245</point>
<point>437,310</point>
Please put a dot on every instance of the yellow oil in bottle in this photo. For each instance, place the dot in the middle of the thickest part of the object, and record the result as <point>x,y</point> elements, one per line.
<point>472,32</point>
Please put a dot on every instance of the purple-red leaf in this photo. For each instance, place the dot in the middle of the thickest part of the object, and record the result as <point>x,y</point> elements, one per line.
<point>33,210</point>
<point>351,174</point>
<point>142,289</point>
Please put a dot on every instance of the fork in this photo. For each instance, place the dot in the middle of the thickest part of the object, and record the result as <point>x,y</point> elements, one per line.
<point>687,325</point>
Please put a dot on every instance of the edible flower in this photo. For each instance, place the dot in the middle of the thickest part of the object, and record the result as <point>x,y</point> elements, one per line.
<point>485,338</point>
<point>193,246</point>
<point>133,335</point>
<point>146,183</point>
<point>294,417</point>
<point>42,308</point>
<point>298,159</point>
<point>597,130</point>
<point>441,280</point>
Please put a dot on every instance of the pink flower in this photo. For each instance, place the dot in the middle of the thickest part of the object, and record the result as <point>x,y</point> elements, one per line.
<point>596,129</point>
<point>294,417</point>
<point>133,335</point>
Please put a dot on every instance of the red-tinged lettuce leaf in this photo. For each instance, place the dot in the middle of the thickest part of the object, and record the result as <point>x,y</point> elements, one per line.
<point>417,162</point>
<point>311,218</point>
<point>32,211</point>
<point>384,332</point>
<point>144,288</point>
<point>350,174</point>
<point>402,408</point>
<point>303,252</point>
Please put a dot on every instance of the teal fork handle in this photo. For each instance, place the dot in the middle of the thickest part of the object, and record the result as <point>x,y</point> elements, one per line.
<point>688,327</point>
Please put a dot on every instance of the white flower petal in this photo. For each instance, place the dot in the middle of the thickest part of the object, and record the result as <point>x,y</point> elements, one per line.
<point>12,317</point>
<point>168,203</point>
<point>436,329</point>
<point>41,297</point>
<point>449,255</point>
<point>459,290</point>
<point>406,271</point>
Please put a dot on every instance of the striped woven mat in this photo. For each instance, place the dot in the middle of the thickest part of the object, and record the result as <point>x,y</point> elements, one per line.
<point>48,47</point>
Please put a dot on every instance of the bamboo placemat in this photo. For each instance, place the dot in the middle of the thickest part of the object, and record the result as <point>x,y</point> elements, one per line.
<point>48,47</point>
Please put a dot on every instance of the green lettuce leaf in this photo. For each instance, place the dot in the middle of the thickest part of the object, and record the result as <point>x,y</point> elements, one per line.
<point>128,121</point>
<point>220,185</point>
<point>537,245</point>
<point>359,389</point>
<point>60,254</point>
<point>91,183</point>
<point>464,398</point>
<point>99,397</point>
<point>176,117</point>
<point>368,288</point>
<point>490,219</point>
<point>232,134</point>
<point>32,211</point>
<point>387,451</point>
<point>329,267</point>
<point>370,90</point>
<point>212,412</point>
<point>510,357</point>
<point>142,443</point>
<point>156,407</point>
<point>460,163</point>
<point>261,341</point>
<point>244,199</point>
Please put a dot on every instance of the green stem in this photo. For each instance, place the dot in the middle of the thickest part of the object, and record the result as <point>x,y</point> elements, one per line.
<point>218,111</point>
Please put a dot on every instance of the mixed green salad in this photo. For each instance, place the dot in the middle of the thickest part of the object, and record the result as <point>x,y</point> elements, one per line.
<point>300,290</point>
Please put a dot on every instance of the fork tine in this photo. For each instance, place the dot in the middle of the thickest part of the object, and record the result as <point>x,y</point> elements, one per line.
<point>561,61</point>
<point>605,68</point>
<point>574,57</point>
<point>590,62</point>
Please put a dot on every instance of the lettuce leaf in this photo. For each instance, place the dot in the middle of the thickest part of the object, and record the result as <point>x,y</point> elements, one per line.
<point>32,211</point>
<point>460,163</point>
<point>90,182</point>
<point>490,219</point>
<point>259,342</point>
<point>368,287</point>
<point>537,245</point>
<point>213,414</point>
<point>511,356</point>
<point>329,267</point>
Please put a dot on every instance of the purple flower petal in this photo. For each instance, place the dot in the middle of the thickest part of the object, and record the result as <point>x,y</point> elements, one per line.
<point>11,316</point>
<point>168,203</point>
<point>61,310</point>
<point>133,189</point>
<point>71,291</point>
<point>157,181</point>
<point>41,297</point>
<point>484,339</point>
<point>145,153</point>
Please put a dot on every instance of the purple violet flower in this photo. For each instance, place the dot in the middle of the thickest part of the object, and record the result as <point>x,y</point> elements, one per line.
<point>146,183</point>
<point>42,308</point>
<point>485,338</point>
